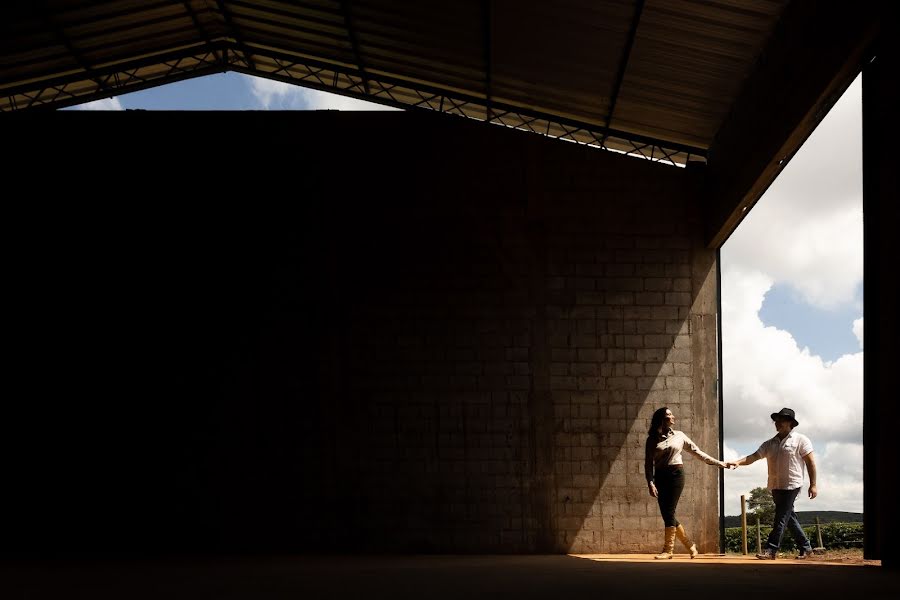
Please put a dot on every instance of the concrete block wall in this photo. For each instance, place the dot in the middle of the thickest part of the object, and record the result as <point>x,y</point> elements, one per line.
<point>519,326</point>
<point>443,337</point>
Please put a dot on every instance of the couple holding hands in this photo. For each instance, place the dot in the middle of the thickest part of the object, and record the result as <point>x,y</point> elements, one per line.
<point>788,453</point>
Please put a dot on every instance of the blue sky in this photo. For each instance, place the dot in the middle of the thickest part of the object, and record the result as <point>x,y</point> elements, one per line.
<point>230,91</point>
<point>791,286</point>
<point>824,331</point>
<point>225,91</point>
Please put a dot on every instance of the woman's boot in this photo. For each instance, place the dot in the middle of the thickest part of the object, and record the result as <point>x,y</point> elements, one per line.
<point>683,538</point>
<point>669,547</point>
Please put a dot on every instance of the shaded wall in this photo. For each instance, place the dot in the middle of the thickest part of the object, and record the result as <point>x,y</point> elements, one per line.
<point>880,215</point>
<point>323,332</point>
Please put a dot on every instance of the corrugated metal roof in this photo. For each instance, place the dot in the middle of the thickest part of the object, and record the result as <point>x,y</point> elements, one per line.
<point>656,76</point>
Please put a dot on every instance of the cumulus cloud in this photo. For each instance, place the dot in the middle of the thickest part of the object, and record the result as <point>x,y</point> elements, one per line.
<point>805,232</point>
<point>818,255</point>
<point>102,104</point>
<point>277,95</point>
<point>764,370</point>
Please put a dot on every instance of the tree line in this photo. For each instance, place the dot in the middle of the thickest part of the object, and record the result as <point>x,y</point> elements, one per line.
<point>760,504</point>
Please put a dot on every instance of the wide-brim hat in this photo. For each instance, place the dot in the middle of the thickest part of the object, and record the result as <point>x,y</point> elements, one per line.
<point>786,412</point>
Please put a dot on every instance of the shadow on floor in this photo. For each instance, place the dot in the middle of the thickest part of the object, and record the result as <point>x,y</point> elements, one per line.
<point>436,577</point>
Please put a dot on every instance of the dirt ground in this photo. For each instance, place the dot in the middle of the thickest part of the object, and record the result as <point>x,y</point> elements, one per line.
<point>847,556</point>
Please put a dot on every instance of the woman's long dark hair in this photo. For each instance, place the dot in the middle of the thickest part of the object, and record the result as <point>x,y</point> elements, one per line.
<point>658,417</point>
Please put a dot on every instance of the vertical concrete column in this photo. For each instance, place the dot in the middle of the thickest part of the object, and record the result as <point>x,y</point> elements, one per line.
<point>704,402</point>
<point>704,338</point>
<point>880,218</point>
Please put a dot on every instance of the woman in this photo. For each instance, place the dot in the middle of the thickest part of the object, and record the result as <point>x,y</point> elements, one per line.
<point>664,469</point>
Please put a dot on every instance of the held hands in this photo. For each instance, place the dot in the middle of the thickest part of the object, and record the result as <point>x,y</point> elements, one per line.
<point>653,492</point>
<point>731,465</point>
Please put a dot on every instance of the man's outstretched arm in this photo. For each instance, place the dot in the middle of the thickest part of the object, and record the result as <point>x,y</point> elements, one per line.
<point>747,460</point>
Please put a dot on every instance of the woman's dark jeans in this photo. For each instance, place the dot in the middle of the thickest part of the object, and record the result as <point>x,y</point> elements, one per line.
<point>669,485</point>
<point>786,517</point>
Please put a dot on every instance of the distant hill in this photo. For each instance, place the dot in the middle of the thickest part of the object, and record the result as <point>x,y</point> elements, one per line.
<point>807,517</point>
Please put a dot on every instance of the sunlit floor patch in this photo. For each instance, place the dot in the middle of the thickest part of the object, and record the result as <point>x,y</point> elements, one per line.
<point>730,559</point>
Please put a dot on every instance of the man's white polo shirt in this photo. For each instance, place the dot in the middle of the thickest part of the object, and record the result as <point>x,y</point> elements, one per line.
<point>785,460</point>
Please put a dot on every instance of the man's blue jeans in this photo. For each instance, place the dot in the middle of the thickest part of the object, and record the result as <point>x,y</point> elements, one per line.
<point>786,517</point>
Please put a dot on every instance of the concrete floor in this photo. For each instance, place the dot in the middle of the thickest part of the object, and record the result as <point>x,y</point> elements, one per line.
<point>435,577</point>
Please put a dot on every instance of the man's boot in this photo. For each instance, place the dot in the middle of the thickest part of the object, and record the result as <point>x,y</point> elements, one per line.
<point>669,548</point>
<point>767,554</point>
<point>683,538</point>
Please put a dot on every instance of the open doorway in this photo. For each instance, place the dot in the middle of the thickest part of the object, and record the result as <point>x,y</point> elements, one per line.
<point>792,320</point>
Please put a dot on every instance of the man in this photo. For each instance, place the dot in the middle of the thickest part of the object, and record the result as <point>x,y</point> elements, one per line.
<point>786,454</point>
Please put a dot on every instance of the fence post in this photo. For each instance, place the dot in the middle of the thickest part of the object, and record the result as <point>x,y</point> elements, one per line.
<point>758,537</point>
<point>819,535</point>
<point>743,524</point>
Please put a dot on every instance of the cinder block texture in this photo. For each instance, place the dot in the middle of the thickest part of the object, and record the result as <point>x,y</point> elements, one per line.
<point>367,333</point>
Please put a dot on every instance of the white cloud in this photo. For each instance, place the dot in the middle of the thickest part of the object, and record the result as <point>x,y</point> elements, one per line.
<point>741,480</point>
<point>102,104</point>
<point>819,255</point>
<point>277,95</point>
<point>764,370</point>
<point>274,94</point>
<point>858,331</point>
<point>322,100</point>
<point>807,230</point>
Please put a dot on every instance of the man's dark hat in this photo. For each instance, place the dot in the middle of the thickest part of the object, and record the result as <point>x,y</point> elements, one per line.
<point>786,412</point>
